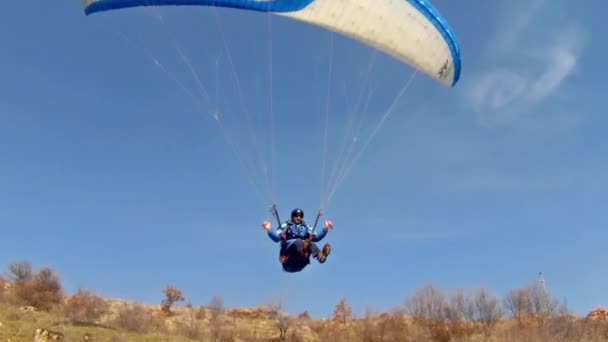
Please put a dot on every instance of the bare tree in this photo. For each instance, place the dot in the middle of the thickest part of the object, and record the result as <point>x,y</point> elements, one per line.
<point>216,306</point>
<point>461,307</point>
<point>543,304</point>
<point>460,314</point>
<point>20,271</point>
<point>343,313</point>
<point>429,308</point>
<point>282,320</point>
<point>428,304</point>
<point>519,303</point>
<point>216,310</point>
<point>488,310</point>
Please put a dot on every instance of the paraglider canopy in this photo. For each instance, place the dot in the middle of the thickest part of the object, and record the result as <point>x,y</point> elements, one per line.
<point>410,30</point>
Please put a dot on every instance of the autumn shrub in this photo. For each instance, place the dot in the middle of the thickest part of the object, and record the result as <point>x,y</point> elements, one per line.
<point>5,297</point>
<point>281,321</point>
<point>137,318</point>
<point>85,306</point>
<point>457,316</point>
<point>222,330</point>
<point>216,312</point>
<point>340,328</point>
<point>594,330</point>
<point>304,316</point>
<point>385,327</point>
<point>226,334</point>
<point>41,290</point>
<point>296,336</point>
<point>191,327</point>
<point>393,328</point>
<point>337,333</point>
<point>172,296</point>
<point>248,334</point>
<point>200,313</point>
<point>428,308</point>
<point>343,313</point>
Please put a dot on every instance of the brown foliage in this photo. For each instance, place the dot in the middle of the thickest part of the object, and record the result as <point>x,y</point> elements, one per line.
<point>138,318</point>
<point>427,304</point>
<point>172,296</point>
<point>343,313</point>
<point>304,316</point>
<point>42,290</point>
<point>4,291</point>
<point>85,306</point>
<point>216,307</point>
<point>430,310</point>
<point>434,316</point>
<point>282,321</point>
<point>296,336</point>
<point>251,313</point>
<point>192,327</point>
<point>217,330</point>
<point>389,328</point>
<point>458,316</point>
<point>532,305</point>
<point>386,327</point>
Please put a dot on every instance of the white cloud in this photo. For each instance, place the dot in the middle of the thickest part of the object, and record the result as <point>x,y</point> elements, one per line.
<point>495,89</point>
<point>515,21</point>
<point>524,73</point>
<point>562,59</point>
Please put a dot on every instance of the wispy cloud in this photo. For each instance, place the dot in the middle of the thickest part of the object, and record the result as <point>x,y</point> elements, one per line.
<point>515,19</point>
<point>524,73</point>
<point>561,60</point>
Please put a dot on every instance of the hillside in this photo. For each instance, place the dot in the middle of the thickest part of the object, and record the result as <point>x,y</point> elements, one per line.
<point>34,307</point>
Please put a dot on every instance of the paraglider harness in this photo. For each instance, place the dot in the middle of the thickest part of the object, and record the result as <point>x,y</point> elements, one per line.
<point>275,213</point>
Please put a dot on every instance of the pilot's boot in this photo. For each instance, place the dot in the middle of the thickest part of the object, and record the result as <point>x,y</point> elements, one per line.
<point>322,256</point>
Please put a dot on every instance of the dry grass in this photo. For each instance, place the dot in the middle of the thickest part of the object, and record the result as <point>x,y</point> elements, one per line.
<point>33,300</point>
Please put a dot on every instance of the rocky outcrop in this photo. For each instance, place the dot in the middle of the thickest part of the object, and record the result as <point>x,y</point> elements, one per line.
<point>599,314</point>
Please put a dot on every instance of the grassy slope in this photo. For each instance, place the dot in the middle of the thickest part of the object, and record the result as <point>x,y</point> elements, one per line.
<point>118,320</point>
<point>19,324</point>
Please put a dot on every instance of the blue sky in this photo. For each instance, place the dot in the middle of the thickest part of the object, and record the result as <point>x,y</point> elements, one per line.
<point>112,174</point>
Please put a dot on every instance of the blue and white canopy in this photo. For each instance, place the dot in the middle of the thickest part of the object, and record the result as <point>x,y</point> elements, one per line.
<point>410,30</point>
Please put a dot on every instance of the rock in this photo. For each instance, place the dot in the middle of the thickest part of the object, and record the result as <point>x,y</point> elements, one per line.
<point>44,335</point>
<point>599,314</point>
<point>251,313</point>
<point>27,309</point>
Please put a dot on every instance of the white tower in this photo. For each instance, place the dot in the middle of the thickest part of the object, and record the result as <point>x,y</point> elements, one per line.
<point>541,281</point>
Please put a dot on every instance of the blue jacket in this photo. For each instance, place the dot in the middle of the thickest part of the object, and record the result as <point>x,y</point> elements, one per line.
<point>289,231</point>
